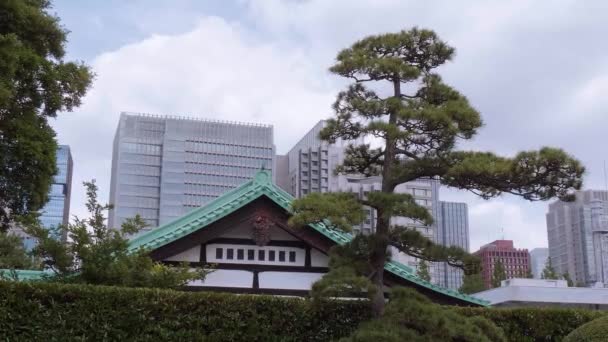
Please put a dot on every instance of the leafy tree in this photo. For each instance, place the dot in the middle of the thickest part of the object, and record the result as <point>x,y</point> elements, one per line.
<point>498,273</point>
<point>410,316</point>
<point>472,283</point>
<point>549,272</point>
<point>35,84</point>
<point>12,253</point>
<point>100,255</point>
<point>423,270</point>
<point>568,279</point>
<point>416,127</point>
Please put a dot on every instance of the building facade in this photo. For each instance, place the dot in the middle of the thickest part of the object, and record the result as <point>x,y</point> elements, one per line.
<point>245,235</point>
<point>516,262</point>
<point>538,260</point>
<point>164,167</point>
<point>452,230</point>
<point>578,237</point>
<point>56,211</point>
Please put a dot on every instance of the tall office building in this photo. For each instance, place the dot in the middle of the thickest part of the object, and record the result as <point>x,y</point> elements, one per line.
<point>452,222</point>
<point>56,211</point>
<point>515,261</point>
<point>578,237</point>
<point>538,260</point>
<point>310,168</point>
<point>163,166</point>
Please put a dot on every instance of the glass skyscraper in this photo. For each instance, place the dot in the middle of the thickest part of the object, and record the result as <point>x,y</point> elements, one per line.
<point>452,230</point>
<point>164,166</point>
<point>56,211</point>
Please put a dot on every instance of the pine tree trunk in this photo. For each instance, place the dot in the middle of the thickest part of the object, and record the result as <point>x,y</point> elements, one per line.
<point>377,258</point>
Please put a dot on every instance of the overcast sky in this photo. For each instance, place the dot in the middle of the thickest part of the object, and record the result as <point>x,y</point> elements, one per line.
<point>536,70</point>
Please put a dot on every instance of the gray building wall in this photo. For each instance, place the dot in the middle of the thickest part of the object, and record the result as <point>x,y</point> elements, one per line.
<point>538,260</point>
<point>452,230</point>
<point>164,167</point>
<point>578,237</point>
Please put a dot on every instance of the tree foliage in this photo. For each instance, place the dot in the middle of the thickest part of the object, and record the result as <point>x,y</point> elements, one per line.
<point>417,123</point>
<point>472,283</point>
<point>35,84</point>
<point>423,270</point>
<point>549,272</point>
<point>568,279</point>
<point>13,254</point>
<point>498,273</point>
<point>97,254</point>
<point>410,316</point>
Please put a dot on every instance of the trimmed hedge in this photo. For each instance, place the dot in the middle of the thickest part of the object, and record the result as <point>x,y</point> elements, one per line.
<point>594,331</point>
<point>62,312</point>
<point>535,324</point>
<point>58,312</point>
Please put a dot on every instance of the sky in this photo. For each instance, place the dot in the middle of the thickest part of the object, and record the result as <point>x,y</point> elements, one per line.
<point>536,70</point>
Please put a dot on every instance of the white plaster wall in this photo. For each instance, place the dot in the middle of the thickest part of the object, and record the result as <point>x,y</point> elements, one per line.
<point>300,255</point>
<point>318,259</point>
<point>288,280</point>
<point>246,233</point>
<point>226,278</point>
<point>193,255</point>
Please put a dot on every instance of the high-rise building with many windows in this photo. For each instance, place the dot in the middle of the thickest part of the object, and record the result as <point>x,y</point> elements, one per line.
<point>578,237</point>
<point>56,211</point>
<point>164,166</point>
<point>516,262</point>
<point>452,229</point>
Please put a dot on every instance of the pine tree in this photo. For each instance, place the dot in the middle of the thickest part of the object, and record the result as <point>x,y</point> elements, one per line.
<point>416,128</point>
<point>423,271</point>
<point>472,283</point>
<point>549,271</point>
<point>498,274</point>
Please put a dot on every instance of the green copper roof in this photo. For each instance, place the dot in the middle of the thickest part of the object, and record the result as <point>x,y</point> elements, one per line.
<point>260,185</point>
<point>23,275</point>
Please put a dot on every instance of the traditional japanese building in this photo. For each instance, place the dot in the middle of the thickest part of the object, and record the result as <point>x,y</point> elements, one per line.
<point>244,233</point>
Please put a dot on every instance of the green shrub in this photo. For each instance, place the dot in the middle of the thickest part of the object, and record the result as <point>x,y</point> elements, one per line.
<point>66,312</point>
<point>594,331</point>
<point>534,324</point>
<point>410,316</point>
<point>60,312</point>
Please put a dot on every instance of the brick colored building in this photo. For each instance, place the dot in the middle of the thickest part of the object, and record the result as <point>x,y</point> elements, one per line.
<point>515,261</point>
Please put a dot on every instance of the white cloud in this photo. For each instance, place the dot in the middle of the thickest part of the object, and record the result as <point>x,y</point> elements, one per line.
<point>217,70</point>
<point>501,219</point>
<point>525,66</point>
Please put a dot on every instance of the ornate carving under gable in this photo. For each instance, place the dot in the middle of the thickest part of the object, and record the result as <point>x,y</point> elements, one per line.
<point>262,224</point>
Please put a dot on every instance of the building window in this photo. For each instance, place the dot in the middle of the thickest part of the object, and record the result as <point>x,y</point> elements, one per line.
<point>292,256</point>
<point>250,254</point>
<point>271,255</point>
<point>261,255</point>
<point>230,254</point>
<point>219,253</point>
<point>240,254</point>
<point>281,256</point>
